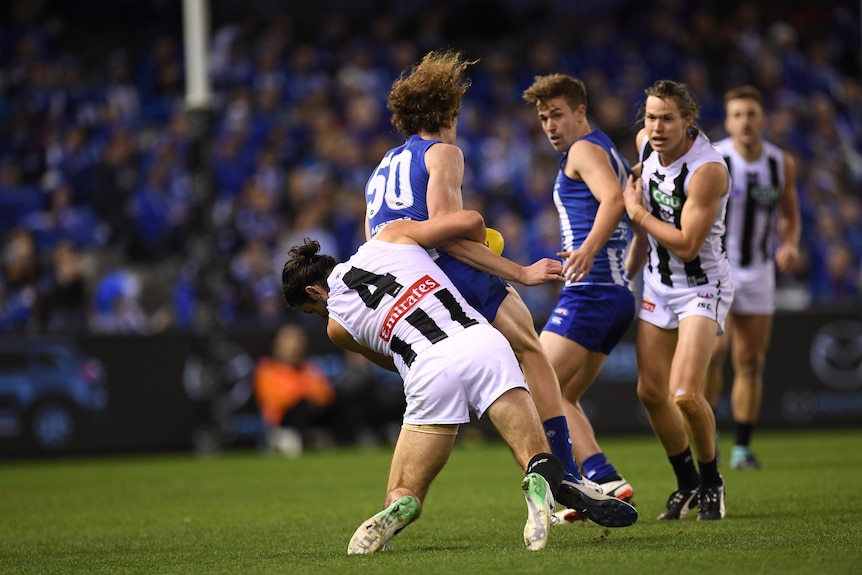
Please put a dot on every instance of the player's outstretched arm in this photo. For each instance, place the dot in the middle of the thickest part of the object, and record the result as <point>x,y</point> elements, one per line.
<point>468,225</point>
<point>637,254</point>
<point>342,338</point>
<point>477,255</point>
<point>789,221</point>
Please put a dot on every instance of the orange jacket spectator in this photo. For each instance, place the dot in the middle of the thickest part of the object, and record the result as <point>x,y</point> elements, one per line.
<point>286,378</point>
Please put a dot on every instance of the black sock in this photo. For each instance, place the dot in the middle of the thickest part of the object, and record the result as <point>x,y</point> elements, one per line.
<point>709,476</point>
<point>687,478</point>
<point>548,466</point>
<point>743,433</point>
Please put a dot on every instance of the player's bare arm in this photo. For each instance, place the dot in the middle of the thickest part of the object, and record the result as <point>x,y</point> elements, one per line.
<point>639,139</point>
<point>705,189</point>
<point>789,221</point>
<point>445,165</point>
<point>477,255</point>
<point>466,224</point>
<point>637,254</point>
<point>633,198</point>
<point>633,190</point>
<point>342,338</point>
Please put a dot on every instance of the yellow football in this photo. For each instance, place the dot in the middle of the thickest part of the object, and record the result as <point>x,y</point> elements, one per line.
<point>494,240</point>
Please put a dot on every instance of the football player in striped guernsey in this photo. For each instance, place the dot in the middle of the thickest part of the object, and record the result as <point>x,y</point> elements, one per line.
<point>678,203</point>
<point>394,305</point>
<point>763,229</point>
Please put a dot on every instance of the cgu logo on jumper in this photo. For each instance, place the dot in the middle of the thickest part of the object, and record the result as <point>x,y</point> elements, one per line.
<point>764,195</point>
<point>663,198</point>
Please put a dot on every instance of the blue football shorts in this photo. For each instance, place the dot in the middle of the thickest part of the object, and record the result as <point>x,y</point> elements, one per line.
<point>594,316</point>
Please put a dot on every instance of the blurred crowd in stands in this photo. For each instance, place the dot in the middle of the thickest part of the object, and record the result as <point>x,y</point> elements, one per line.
<point>94,187</point>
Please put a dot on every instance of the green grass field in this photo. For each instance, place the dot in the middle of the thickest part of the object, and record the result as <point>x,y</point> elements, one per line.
<point>250,513</point>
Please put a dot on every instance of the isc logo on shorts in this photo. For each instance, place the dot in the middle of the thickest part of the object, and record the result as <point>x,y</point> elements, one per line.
<point>647,305</point>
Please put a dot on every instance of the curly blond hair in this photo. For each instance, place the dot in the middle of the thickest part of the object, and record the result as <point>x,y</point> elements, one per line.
<point>427,96</point>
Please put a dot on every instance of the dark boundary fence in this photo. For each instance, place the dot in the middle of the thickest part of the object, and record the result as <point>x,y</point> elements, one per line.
<point>157,402</point>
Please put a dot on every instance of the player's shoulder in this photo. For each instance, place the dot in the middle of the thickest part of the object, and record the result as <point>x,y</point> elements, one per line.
<point>773,150</point>
<point>643,146</point>
<point>704,151</point>
<point>443,152</point>
<point>588,148</point>
<point>711,177</point>
<point>724,146</point>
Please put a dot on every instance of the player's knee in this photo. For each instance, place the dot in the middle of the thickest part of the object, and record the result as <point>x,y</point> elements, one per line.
<point>523,344</point>
<point>687,402</point>
<point>651,395</point>
<point>432,428</point>
<point>516,324</point>
<point>750,365</point>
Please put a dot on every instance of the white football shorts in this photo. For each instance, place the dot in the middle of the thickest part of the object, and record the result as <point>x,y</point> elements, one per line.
<point>755,290</point>
<point>468,370</point>
<point>665,306</point>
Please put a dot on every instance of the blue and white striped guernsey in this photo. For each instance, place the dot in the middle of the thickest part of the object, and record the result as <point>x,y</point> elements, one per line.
<point>577,209</point>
